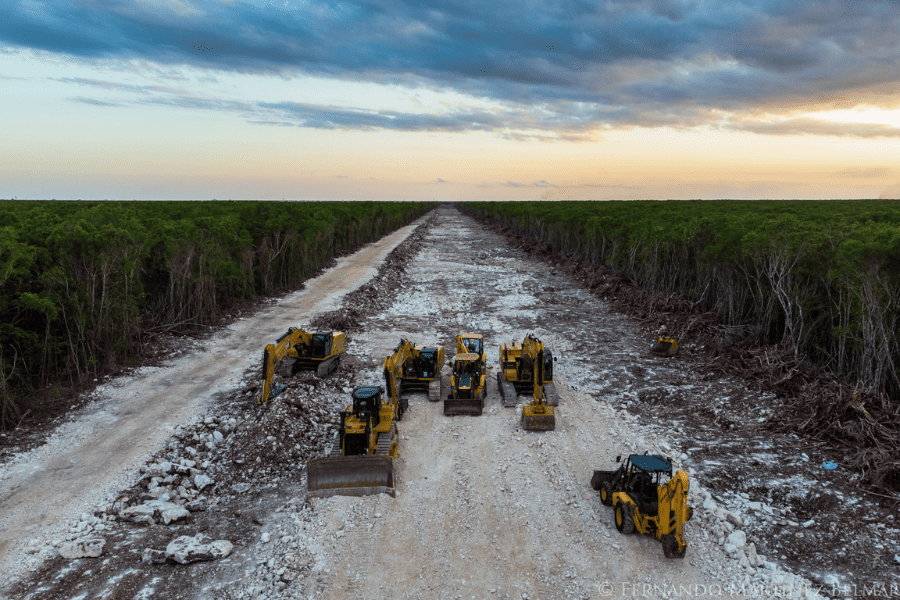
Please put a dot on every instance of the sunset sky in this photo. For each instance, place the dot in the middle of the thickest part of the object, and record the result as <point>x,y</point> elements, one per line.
<point>451,100</point>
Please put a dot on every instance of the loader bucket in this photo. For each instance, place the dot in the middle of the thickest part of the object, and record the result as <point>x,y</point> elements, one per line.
<point>350,476</point>
<point>459,406</point>
<point>538,419</point>
<point>665,347</point>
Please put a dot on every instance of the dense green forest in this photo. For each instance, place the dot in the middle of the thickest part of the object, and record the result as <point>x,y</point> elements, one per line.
<point>820,278</point>
<point>82,283</point>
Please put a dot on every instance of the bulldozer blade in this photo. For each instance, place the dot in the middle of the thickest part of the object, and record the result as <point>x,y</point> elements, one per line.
<point>472,407</point>
<point>350,476</point>
<point>545,422</point>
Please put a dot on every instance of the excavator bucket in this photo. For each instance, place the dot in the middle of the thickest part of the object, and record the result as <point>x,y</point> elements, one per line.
<point>665,347</point>
<point>350,476</point>
<point>538,418</point>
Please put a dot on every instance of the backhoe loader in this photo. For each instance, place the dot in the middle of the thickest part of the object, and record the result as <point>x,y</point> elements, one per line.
<point>413,368</point>
<point>362,460</point>
<point>318,351</point>
<point>644,501</point>
<point>467,389</point>
<point>517,363</point>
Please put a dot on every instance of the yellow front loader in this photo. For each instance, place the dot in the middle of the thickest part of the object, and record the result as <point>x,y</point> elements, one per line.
<point>318,351</point>
<point>646,503</point>
<point>362,460</point>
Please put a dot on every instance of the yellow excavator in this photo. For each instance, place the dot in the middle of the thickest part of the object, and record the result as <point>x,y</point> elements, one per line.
<point>466,388</point>
<point>318,351</point>
<point>645,502</point>
<point>362,460</point>
<point>518,365</point>
<point>412,368</point>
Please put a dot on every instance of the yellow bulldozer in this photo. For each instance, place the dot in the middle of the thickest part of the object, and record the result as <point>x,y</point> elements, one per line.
<point>518,366</point>
<point>412,368</point>
<point>318,351</point>
<point>648,498</point>
<point>465,387</point>
<point>362,460</point>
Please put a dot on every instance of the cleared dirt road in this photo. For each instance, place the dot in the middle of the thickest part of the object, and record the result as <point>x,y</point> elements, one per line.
<point>93,455</point>
<point>485,509</point>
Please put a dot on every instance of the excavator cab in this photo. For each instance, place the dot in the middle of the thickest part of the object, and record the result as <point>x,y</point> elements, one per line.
<point>427,363</point>
<point>321,344</point>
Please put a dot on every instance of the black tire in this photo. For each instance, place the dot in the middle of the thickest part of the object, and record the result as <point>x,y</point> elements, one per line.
<point>606,493</point>
<point>623,520</point>
<point>669,545</point>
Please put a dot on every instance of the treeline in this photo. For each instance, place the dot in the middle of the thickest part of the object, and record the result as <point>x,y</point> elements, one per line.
<point>82,283</point>
<point>821,278</point>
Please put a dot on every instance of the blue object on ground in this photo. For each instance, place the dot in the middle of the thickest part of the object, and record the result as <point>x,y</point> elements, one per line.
<point>829,465</point>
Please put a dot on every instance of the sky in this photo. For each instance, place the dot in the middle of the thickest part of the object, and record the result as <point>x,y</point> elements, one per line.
<point>450,100</point>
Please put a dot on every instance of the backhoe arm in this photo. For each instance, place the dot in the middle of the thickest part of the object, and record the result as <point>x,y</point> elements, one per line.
<point>673,514</point>
<point>274,353</point>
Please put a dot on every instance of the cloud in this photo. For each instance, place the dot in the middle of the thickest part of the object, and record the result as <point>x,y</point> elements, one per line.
<point>92,101</point>
<point>890,193</point>
<point>803,126</point>
<point>538,184</point>
<point>570,68</point>
<point>866,173</point>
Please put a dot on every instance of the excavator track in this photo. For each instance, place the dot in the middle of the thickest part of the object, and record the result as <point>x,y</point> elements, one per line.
<point>507,391</point>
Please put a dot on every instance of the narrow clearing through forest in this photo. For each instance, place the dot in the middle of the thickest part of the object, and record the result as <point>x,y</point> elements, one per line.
<point>484,509</point>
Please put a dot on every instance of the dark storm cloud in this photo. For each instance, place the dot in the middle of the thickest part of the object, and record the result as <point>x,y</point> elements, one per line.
<point>571,65</point>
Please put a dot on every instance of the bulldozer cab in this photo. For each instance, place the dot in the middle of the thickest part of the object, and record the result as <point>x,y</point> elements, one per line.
<point>548,366</point>
<point>321,344</point>
<point>367,402</point>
